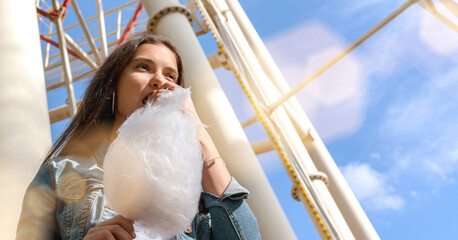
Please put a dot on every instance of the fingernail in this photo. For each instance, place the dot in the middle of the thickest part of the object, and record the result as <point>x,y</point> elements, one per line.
<point>133,234</point>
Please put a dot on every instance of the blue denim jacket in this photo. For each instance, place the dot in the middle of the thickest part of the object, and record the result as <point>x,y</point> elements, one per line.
<point>66,199</point>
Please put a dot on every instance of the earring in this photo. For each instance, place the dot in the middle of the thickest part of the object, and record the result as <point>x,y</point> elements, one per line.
<point>113,103</point>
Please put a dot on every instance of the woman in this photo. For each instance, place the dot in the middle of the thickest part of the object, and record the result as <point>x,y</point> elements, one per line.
<point>66,198</point>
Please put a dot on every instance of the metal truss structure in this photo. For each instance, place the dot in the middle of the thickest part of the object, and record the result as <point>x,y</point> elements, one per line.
<point>71,53</point>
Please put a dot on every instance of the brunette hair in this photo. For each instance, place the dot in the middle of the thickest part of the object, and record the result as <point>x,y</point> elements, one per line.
<point>94,118</point>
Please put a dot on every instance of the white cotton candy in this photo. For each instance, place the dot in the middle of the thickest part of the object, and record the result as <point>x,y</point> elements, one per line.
<point>153,169</point>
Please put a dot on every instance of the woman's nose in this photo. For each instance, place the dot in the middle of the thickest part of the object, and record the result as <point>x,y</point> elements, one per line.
<point>157,81</point>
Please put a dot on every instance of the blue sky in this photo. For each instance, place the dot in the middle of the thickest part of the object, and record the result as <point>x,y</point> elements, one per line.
<point>387,112</point>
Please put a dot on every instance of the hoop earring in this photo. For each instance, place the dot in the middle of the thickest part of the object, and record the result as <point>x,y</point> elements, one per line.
<point>113,103</point>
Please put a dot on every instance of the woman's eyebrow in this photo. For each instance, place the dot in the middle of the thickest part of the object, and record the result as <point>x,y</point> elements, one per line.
<point>142,59</point>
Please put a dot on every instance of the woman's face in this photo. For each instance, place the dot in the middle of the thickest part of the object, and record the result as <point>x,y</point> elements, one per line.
<point>153,66</point>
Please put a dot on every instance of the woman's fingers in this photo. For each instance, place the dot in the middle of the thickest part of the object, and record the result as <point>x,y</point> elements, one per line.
<point>108,232</point>
<point>119,232</point>
<point>168,86</point>
<point>191,110</point>
<point>93,234</point>
<point>125,223</point>
<point>118,227</point>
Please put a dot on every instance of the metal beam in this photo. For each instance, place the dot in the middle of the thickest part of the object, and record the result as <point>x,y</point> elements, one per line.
<point>48,47</point>
<point>429,6</point>
<point>60,113</point>
<point>130,24</point>
<point>102,32</point>
<point>333,61</point>
<point>262,146</point>
<point>86,32</point>
<point>56,44</point>
<point>451,5</point>
<point>81,53</point>
<point>118,25</point>
<point>66,66</point>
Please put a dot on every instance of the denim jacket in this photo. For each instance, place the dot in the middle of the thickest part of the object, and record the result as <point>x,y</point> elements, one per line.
<point>66,199</point>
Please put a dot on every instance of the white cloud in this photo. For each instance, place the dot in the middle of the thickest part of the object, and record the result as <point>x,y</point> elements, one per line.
<point>448,81</point>
<point>414,37</point>
<point>338,93</point>
<point>437,35</point>
<point>371,187</point>
<point>418,130</point>
<point>418,127</point>
<point>425,124</point>
<point>375,156</point>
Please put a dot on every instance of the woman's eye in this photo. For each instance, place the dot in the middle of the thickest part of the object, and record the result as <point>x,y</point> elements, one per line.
<point>142,66</point>
<point>171,77</point>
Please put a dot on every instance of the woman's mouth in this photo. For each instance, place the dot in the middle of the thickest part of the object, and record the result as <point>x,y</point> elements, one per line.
<point>146,98</point>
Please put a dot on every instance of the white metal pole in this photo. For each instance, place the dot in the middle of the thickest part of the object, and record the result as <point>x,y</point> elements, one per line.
<point>118,25</point>
<point>48,46</point>
<point>102,31</point>
<point>347,202</point>
<point>270,94</point>
<point>24,123</point>
<point>214,109</point>
<point>82,54</point>
<point>86,32</point>
<point>66,69</point>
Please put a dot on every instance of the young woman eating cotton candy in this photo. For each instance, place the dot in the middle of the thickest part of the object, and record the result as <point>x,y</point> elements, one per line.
<point>165,179</point>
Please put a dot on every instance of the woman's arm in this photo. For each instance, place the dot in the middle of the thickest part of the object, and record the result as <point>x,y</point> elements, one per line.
<point>223,196</point>
<point>215,177</point>
<point>38,217</point>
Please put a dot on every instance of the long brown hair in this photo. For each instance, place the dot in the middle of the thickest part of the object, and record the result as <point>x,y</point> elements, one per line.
<point>94,118</point>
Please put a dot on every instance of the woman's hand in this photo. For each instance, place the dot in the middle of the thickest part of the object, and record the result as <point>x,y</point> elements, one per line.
<point>168,86</point>
<point>191,110</point>
<point>118,227</point>
<point>188,107</point>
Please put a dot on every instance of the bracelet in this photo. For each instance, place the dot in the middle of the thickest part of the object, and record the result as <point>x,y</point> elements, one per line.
<point>211,162</point>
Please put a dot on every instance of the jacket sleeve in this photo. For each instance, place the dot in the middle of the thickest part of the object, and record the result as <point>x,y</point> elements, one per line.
<point>38,216</point>
<point>231,218</point>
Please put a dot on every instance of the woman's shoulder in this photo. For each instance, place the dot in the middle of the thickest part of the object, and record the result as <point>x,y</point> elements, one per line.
<point>72,162</point>
<point>65,170</point>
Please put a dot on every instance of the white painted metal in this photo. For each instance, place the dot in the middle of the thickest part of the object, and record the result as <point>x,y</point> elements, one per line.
<point>298,155</point>
<point>102,32</point>
<point>352,211</point>
<point>86,32</point>
<point>262,146</point>
<point>80,52</point>
<point>344,197</point>
<point>118,25</point>
<point>48,46</point>
<point>215,110</point>
<point>66,63</point>
<point>430,7</point>
<point>24,124</point>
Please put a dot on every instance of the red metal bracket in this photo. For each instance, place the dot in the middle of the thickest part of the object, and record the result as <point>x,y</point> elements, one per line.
<point>56,44</point>
<point>130,24</point>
